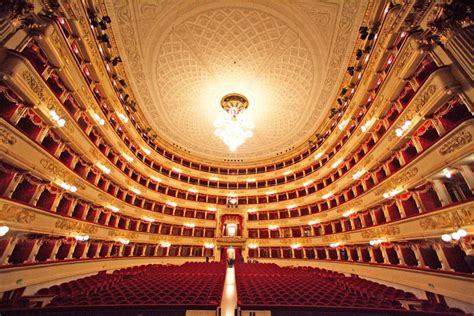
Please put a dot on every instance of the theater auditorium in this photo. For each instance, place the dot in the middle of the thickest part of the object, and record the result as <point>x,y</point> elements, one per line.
<point>236,157</point>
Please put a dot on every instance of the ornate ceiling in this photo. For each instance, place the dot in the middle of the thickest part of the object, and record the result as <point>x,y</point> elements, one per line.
<point>287,57</point>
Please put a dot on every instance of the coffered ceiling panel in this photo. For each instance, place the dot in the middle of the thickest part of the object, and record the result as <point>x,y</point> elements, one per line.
<point>287,57</point>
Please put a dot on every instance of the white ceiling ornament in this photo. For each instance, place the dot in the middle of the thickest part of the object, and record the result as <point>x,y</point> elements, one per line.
<point>181,62</point>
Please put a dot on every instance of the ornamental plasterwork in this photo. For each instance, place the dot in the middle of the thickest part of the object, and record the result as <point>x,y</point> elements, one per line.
<point>397,181</point>
<point>172,58</point>
<point>380,232</point>
<point>45,98</point>
<point>75,226</point>
<point>414,110</point>
<point>459,217</point>
<point>59,172</point>
<point>122,233</point>
<point>336,237</point>
<point>6,135</point>
<point>456,141</point>
<point>57,42</point>
<point>16,214</point>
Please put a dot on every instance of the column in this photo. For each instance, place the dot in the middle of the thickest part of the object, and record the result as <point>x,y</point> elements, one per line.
<point>70,211</point>
<point>71,250</point>
<point>385,213</point>
<point>8,250</point>
<point>316,257</point>
<point>352,222</point>
<point>132,249</point>
<point>54,251</point>
<point>372,215</point>
<point>418,255</point>
<point>338,253</point>
<point>35,197</point>
<point>86,250</point>
<point>96,217</point>
<point>97,250</point>
<point>109,250</point>
<point>120,250</point>
<point>403,214</point>
<point>442,192</point>
<point>419,203</point>
<point>12,185</point>
<point>349,254</point>
<point>399,252</point>
<point>55,204</point>
<point>384,255</point>
<point>371,254</point>
<point>333,227</point>
<point>442,257</point>
<point>359,254</point>
<point>327,253</point>
<point>468,176</point>
<point>34,251</point>
<point>107,218</point>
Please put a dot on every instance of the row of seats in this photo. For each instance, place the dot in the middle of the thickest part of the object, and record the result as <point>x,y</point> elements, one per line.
<point>193,285</point>
<point>269,286</point>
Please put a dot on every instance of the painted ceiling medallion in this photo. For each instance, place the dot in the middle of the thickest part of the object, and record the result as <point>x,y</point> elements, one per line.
<point>234,127</point>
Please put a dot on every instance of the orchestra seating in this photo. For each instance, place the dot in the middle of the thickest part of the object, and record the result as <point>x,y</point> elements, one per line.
<point>178,288</point>
<point>301,290</point>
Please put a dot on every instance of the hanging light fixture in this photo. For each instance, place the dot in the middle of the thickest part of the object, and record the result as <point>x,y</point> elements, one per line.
<point>234,127</point>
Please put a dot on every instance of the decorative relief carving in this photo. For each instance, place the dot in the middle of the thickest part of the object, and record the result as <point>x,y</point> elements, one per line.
<point>455,142</point>
<point>397,181</point>
<point>123,234</point>
<point>6,135</point>
<point>58,42</point>
<point>380,232</point>
<point>351,205</point>
<point>460,217</point>
<point>301,241</point>
<point>336,237</point>
<point>403,58</point>
<point>415,108</point>
<point>50,102</point>
<point>58,171</point>
<point>17,214</point>
<point>75,226</point>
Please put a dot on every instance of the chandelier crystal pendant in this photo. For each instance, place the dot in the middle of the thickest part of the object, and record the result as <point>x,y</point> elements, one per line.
<point>234,127</point>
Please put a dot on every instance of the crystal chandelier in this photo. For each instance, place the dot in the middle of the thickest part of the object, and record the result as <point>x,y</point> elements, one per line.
<point>233,127</point>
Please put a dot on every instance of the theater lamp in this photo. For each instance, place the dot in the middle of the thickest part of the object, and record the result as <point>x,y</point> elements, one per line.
<point>4,230</point>
<point>233,127</point>
<point>209,245</point>
<point>460,233</point>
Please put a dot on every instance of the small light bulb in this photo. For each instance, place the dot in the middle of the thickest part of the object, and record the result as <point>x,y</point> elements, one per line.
<point>455,236</point>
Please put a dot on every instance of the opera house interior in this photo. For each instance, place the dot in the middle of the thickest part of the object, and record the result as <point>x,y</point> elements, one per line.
<point>236,157</point>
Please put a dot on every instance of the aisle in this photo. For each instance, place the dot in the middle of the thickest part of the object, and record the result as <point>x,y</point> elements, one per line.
<point>229,297</point>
